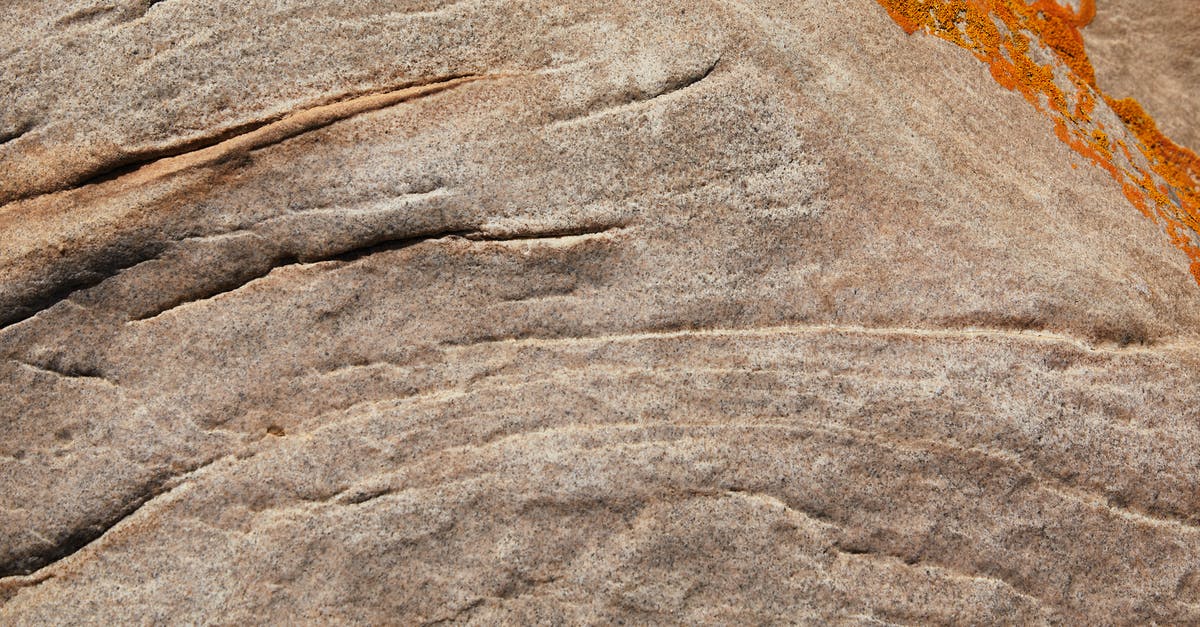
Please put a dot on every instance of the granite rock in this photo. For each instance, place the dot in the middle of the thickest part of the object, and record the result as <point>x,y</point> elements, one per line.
<point>530,312</point>
<point>1151,52</point>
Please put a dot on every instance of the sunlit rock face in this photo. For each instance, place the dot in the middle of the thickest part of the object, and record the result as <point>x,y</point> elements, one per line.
<point>1151,52</point>
<point>657,312</point>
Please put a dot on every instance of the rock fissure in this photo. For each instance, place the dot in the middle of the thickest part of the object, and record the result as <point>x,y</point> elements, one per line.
<point>286,259</point>
<point>139,167</point>
<point>960,333</point>
<point>66,373</point>
<point>85,536</point>
<point>632,100</point>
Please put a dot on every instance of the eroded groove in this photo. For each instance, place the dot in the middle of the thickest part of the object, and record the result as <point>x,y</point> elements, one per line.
<point>1074,493</point>
<point>638,99</point>
<point>228,284</point>
<point>250,137</point>
<point>284,260</point>
<point>358,496</point>
<point>140,166</point>
<point>856,437</point>
<point>65,373</point>
<point>368,249</point>
<point>690,80</point>
<point>572,231</point>
<point>386,245</point>
<point>962,333</point>
<point>15,134</point>
<point>101,266</point>
<point>85,536</point>
<point>151,4</point>
<point>812,515</point>
<point>857,551</point>
<point>132,162</point>
<point>11,586</point>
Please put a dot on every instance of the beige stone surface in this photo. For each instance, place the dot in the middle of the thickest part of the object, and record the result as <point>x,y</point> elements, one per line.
<point>532,312</point>
<point>1151,51</point>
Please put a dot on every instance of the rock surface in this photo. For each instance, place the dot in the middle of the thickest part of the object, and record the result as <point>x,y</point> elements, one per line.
<point>1152,52</point>
<point>671,311</point>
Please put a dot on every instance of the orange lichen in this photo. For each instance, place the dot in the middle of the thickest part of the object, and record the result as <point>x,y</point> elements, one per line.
<point>1035,48</point>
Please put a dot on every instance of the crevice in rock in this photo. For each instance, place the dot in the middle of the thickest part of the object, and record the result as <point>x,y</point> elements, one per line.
<point>689,80</point>
<point>914,561</point>
<point>572,231</point>
<point>966,331</point>
<point>132,162</point>
<point>14,134</point>
<point>66,372</point>
<point>287,259</point>
<point>371,247</point>
<point>814,515</point>
<point>96,268</point>
<point>357,496</point>
<point>209,150</point>
<point>11,586</point>
<point>83,536</point>
<point>92,269</point>
<point>151,4</point>
<point>257,134</point>
<point>629,100</point>
<point>228,284</point>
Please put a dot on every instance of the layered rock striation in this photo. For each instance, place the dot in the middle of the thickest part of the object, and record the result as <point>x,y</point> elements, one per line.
<point>525,312</point>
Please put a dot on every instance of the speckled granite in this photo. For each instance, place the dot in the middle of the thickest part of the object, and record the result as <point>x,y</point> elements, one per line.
<point>529,312</point>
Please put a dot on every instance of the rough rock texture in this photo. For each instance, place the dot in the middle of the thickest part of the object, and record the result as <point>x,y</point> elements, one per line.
<point>1152,51</point>
<point>670,311</point>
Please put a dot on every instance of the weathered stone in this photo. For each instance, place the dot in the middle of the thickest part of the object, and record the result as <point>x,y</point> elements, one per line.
<point>668,311</point>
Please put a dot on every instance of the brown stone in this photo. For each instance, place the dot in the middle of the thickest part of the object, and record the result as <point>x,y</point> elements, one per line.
<point>530,312</point>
